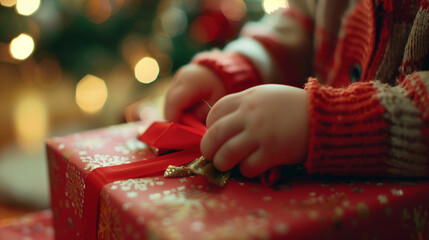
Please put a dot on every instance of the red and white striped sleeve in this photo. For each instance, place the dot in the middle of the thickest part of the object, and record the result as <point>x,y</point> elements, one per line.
<point>370,128</point>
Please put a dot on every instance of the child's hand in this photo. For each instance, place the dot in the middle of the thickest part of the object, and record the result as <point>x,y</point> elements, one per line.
<point>259,128</point>
<point>193,84</point>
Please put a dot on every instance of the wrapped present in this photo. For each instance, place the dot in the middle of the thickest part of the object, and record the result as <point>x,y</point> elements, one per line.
<point>107,184</point>
<point>34,226</point>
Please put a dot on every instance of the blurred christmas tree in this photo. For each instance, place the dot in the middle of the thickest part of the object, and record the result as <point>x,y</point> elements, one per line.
<point>71,62</point>
<point>92,36</point>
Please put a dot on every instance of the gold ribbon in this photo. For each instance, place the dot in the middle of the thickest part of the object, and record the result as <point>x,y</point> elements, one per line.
<point>199,166</point>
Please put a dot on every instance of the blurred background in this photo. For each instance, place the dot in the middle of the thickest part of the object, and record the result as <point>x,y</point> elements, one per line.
<point>69,66</point>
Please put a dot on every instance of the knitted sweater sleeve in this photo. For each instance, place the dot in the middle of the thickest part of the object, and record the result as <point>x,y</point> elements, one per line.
<point>276,49</point>
<point>370,128</point>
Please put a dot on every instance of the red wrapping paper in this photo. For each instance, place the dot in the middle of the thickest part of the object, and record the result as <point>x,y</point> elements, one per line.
<point>191,208</point>
<point>33,226</point>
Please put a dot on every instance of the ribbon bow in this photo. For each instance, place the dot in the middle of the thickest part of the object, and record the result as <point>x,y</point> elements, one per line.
<point>164,137</point>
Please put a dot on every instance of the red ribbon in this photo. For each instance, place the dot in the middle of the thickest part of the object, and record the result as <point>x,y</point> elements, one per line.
<point>162,135</point>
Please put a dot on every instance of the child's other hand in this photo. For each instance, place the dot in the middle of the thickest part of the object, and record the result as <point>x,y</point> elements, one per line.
<point>258,128</point>
<point>193,84</point>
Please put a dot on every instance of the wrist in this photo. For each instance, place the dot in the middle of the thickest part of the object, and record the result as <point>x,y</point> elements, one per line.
<point>236,71</point>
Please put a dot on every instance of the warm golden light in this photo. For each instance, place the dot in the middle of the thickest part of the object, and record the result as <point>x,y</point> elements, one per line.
<point>91,94</point>
<point>146,70</point>
<point>271,6</point>
<point>27,7</point>
<point>233,9</point>
<point>21,47</point>
<point>31,121</point>
<point>98,11</point>
<point>8,3</point>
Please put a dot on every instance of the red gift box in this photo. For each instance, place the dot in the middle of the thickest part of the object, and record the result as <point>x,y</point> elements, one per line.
<point>191,208</point>
<point>33,226</point>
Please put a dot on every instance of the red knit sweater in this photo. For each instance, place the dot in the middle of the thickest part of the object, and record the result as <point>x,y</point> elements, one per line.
<point>369,97</point>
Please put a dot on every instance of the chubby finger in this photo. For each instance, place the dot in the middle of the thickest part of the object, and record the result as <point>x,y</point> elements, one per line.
<point>219,133</point>
<point>253,165</point>
<point>223,107</point>
<point>179,99</point>
<point>233,151</point>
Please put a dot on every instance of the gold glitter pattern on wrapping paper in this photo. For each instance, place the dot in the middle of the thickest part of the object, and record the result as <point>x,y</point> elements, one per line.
<point>109,223</point>
<point>199,166</point>
<point>251,227</point>
<point>75,187</point>
<point>102,160</point>
<point>397,192</point>
<point>139,184</point>
<point>314,206</point>
<point>173,206</point>
<point>382,199</point>
<point>92,143</point>
<point>418,222</point>
<point>131,146</point>
<point>194,204</point>
<point>362,210</point>
<point>180,205</point>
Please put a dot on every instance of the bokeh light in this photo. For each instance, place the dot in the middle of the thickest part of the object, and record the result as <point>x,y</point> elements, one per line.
<point>27,7</point>
<point>91,94</point>
<point>233,9</point>
<point>98,11</point>
<point>8,3</point>
<point>174,21</point>
<point>146,70</point>
<point>271,6</point>
<point>21,47</point>
<point>31,120</point>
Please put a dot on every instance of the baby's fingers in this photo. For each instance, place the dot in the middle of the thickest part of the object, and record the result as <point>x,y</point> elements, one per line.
<point>219,133</point>
<point>202,109</point>
<point>234,151</point>
<point>178,100</point>
<point>254,165</point>
<point>223,107</point>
